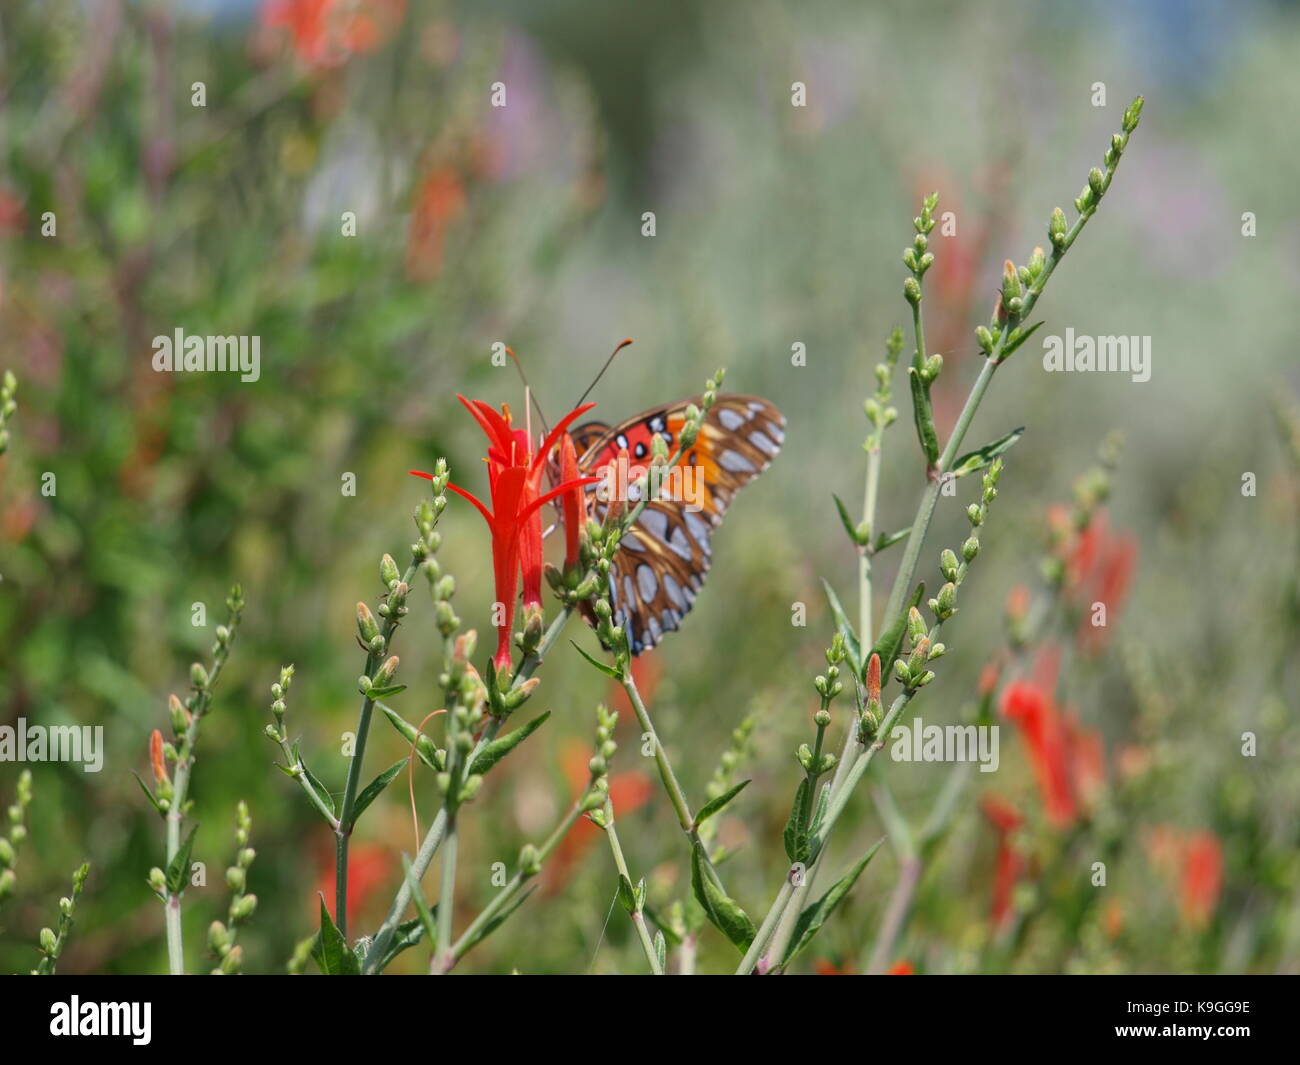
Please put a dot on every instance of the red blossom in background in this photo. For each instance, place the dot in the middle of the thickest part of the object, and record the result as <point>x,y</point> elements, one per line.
<point>370,868</point>
<point>1098,569</point>
<point>439,201</point>
<point>326,32</point>
<point>515,521</point>
<point>1009,863</point>
<point>1192,861</point>
<point>1068,760</point>
<point>901,968</point>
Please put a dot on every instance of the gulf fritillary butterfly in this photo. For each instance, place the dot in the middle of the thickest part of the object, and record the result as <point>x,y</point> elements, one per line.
<point>662,560</point>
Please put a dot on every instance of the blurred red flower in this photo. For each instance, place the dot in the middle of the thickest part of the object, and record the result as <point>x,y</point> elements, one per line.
<point>439,201</point>
<point>326,32</point>
<point>1068,760</point>
<point>370,867</point>
<point>1009,863</point>
<point>1193,861</point>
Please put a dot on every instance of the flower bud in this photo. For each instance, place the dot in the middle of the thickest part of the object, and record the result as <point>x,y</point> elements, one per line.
<point>367,626</point>
<point>389,574</point>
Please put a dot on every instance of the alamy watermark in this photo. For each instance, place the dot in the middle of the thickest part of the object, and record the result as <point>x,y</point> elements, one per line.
<point>208,354</point>
<point>1109,354</point>
<point>919,742</point>
<point>53,743</point>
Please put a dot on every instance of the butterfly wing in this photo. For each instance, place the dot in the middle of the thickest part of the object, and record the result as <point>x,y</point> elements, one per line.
<point>665,555</point>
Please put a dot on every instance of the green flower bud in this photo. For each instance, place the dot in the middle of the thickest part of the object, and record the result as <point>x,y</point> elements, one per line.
<point>948,564</point>
<point>389,574</point>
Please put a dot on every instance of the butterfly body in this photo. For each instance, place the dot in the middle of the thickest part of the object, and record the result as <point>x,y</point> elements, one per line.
<point>664,556</point>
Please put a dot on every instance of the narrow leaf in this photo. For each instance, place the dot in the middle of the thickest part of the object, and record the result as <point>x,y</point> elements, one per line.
<point>721,909</point>
<point>811,920</point>
<point>331,949</point>
<point>422,908</point>
<point>407,935</point>
<point>851,641</point>
<point>796,835</point>
<point>847,522</point>
<point>498,920</point>
<point>977,460</point>
<point>923,416</point>
<point>891,640</point>
<point>383,693</point>
<point>1020,336</point>
<point>153,799</point>
<point>503,745</point>
<point>178,869</point>
<point>609,671</point>
<point>661,950</point>
<point>713,806</point>
<point>626,894</point>
<point>372,790</point>
<point>885,540</point>
<point>322,792</point>
<point>409,731</point>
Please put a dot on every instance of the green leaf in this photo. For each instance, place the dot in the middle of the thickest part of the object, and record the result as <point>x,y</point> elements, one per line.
<point>498,920</point>
<point>178,869</point>
<point>626,894</point>
<point>662,924</point>
<point>977,460</point>
<point>823,803</point>
<point>847,521</point>
<point>720,908</point>
<point>331,949</point>
<point>372,790</point>
<point>661,950</point>
<point>503,745</point>
<point>407,935</point>
<point>1015,340</point>
<point>891,640</point>
<point>322,792</point>
<point>153,799</point>
<point>609,671</point>
<point>811,920</point>
<point>422,908</point>
<point>851,642</point>
<point>713,806</point>
<point>409,731</point>
<point>383,693</point>
<point>923,416</point>
<point>796,835</point>
<point>885,540</point>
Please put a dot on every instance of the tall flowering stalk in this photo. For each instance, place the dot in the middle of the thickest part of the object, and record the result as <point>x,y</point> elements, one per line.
<point>778,938</point>
<point>170,795</point>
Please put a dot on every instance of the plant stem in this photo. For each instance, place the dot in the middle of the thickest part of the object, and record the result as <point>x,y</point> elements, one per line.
<point>765,929</point>
<point>343,827</point>
<point>508,893</point>
<point>434,837</point>
<point>638,917</point>
<point>447,895</point>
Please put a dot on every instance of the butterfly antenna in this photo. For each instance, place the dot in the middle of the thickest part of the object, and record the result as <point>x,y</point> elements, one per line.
<point>602,371</point>
<point>528,393</point>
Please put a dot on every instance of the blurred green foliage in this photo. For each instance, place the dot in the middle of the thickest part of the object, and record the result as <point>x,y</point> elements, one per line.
<point>129,496</point>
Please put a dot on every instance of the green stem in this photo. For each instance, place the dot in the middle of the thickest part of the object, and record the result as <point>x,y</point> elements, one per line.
<point>765,929</point>
<point>638,917</point>
<point>343,827</point>
<point>507,894</point>
<point>447,896</point>
<point>434,837</point>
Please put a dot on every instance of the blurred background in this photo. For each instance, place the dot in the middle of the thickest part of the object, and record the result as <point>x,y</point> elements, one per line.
<point>775,225</point>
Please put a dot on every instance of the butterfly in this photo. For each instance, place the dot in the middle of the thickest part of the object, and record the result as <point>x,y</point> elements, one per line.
<point>663,557</point>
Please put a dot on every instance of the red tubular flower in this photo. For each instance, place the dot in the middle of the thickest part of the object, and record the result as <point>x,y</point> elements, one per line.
<point>574,502</point>
<point>902,968</point>
<point>515,520</point>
